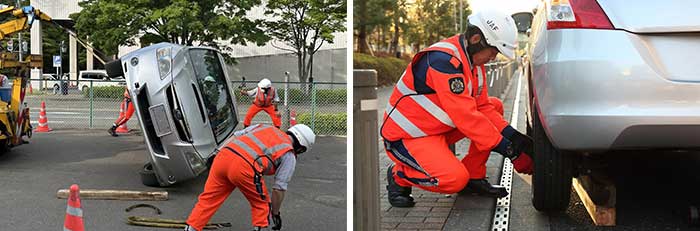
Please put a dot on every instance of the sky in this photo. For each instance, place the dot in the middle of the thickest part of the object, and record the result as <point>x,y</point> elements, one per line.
<point>508,6</point>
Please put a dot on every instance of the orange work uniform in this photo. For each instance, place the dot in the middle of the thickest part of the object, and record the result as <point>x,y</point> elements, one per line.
<point>263,102</point>
<point>128,107</point>
<point>431,109</point>
<point>233,168</point>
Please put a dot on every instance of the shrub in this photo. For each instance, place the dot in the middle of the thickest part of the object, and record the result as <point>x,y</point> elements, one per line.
<point>388,69</point>
<point>326,123</point>
<point>111,92</point>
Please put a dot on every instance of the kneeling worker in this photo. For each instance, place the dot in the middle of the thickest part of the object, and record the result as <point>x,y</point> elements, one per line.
<point>255,151</point>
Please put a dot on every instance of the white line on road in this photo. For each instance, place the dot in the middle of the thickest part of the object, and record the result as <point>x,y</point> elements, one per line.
<point>502,212</point>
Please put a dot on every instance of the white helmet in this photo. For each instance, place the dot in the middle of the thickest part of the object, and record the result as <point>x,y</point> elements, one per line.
<point>498,29</point>
<point>304,135</point>
<point>264,83</point>
<point>209,79</point>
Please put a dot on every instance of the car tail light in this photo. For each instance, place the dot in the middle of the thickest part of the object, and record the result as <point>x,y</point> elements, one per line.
<point>562,14</point>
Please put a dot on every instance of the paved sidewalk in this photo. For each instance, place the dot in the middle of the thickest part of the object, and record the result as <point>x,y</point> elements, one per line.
<point>434,211</point>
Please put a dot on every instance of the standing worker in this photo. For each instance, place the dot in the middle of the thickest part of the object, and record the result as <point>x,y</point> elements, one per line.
<point>266,99</point>
<point>443,97</point>
<point>123,118</point>
<point>253,152</point>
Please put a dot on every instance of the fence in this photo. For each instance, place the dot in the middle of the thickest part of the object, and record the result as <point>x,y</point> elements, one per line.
<point>96,104</point>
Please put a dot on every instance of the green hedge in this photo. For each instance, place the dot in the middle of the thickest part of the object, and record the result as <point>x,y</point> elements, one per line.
<point>326,123</point>
<point>389,69</point>
<point>296,96</point>
<point>112,92</point>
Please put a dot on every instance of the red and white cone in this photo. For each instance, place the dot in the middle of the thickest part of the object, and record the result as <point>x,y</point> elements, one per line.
<point>122,129</point>
<point>74,213</point>
<point>293,117</point>
<point>43,121</point>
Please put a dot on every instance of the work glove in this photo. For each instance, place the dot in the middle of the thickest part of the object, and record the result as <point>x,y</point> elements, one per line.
<point>520,139</point>
<point>522,162</point>
<point>276,222</point>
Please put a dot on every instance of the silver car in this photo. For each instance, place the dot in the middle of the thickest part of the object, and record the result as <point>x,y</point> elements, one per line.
<point>183,99</point>
<point>609,75</point>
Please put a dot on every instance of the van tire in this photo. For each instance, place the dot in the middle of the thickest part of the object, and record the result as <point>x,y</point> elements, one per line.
<point>85,89</point>
<point>148,176</point>
<point>551,179</point>
<point>114,68</point>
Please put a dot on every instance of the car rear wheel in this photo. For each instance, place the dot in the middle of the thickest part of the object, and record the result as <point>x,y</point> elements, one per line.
<point>148,176</point>
<point>551,180</point>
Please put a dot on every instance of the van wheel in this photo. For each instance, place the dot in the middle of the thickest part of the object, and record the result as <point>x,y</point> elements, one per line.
<point>551,179</point>
<point>86,88</point>
<point>148,176</point>
<point>56,89</point>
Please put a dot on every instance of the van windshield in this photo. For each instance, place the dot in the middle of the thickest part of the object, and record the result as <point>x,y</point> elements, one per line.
<point>214,89</point>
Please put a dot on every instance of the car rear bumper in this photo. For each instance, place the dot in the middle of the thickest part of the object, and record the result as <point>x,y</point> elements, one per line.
<point>606,89</point>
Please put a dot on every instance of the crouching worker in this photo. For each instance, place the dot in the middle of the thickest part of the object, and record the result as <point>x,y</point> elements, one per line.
<point>253,152</point>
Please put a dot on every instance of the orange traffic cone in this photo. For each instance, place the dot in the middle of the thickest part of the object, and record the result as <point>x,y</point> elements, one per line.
<point>293,117</point>
<point>122,128</point>
<point>43,121</point>
<point>74,213</point>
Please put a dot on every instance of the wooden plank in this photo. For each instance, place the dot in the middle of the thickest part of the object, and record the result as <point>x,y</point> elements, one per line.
<point>116,195</point>
<point>602,215</point>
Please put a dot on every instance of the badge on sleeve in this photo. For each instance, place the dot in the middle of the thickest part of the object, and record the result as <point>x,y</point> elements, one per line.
<point>456,85</point>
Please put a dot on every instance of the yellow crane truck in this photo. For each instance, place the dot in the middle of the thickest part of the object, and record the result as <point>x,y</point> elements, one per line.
<point>14,114</point>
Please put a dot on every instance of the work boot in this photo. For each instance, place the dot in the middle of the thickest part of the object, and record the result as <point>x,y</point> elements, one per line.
<point>482,187</point>
<point>398,196</point>
<point>112,131</point>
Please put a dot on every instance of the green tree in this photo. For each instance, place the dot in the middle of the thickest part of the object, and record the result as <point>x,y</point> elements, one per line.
<point>304,26</point>
<point>434,20</point>
<point>369,15</point>
<point>215,23</point>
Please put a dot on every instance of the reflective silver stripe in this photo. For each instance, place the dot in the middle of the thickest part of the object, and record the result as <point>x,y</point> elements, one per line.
<point>401,86</point>
<point>480,76</point>
<point>66,229</point>
<point>449,46</point>
<point>278,147</point>
<point>433,109</point>
<point>404,123</point>
<point>248,149</point>
<point>78,212</point>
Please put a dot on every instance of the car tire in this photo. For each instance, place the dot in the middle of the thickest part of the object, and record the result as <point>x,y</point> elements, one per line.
<point>85,89</point>
<point>148,176</point>
<point>56,89</point>
<point>551,179</point>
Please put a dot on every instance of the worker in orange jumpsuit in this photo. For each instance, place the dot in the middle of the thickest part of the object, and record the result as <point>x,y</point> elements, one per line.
<point>441,98</point>
<point>253,152</point>
<point>266,99</point>
<point>128,107</point>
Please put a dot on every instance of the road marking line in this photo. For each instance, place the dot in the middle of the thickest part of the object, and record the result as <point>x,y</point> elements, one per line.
<point>502,212</point>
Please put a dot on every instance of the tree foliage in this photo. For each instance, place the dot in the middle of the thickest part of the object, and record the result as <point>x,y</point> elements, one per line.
<point>304,26</point>
<point>394,25</point>
<point>109,24</point>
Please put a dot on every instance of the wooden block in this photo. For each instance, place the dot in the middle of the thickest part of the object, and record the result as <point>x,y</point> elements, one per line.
<point>116,195</point>
<point>602,215</point>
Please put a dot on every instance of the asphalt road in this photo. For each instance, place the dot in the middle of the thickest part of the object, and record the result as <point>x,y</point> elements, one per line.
<point>33,173</point>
